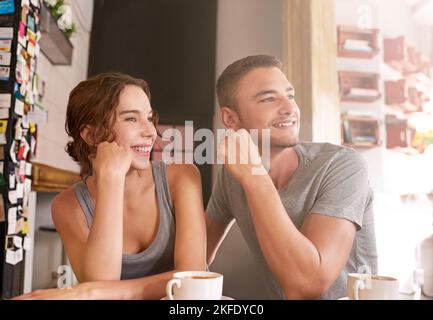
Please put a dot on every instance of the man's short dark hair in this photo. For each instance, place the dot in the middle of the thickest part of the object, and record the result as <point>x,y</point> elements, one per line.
<point>228,80</point>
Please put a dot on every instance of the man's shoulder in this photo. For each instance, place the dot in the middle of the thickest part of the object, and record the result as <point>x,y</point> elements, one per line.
<point>323,151</point>
<point>340,160</point>
<point>225,179</point>
<point>316,148</point>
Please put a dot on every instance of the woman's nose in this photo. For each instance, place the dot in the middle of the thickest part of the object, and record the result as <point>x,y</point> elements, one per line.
<point>148,129</point>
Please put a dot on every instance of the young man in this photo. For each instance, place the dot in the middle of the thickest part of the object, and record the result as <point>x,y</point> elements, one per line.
<point>309,221</point>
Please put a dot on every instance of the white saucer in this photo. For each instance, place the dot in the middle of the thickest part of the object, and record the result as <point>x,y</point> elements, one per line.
<point>344,298</point>
<point>222,298</point>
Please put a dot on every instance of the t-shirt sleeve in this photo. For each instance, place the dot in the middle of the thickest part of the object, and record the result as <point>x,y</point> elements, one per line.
<point>218,208</point>
<point>344,191</point>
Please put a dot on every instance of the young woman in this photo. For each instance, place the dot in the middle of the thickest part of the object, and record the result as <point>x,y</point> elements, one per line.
<point>129,218</point>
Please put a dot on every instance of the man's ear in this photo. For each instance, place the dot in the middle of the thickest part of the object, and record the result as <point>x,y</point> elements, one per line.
<point>229,118</point>
<point>87,135</point>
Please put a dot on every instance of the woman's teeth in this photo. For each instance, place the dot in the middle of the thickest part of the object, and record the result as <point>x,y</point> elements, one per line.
<point>142,149</point>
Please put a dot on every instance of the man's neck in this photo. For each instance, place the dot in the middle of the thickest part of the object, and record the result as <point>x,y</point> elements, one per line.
<point>283,163</point>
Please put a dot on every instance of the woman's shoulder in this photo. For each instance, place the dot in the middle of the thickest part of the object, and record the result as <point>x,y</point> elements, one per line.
<point>178,176</point>
<point>66,210</point>
<point>65,201</point>
<point>181,171</point>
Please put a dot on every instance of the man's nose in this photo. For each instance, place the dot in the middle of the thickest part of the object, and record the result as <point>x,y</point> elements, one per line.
<point>288,106</point>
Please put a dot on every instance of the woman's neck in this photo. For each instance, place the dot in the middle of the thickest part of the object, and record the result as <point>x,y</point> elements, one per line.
<point>136,181</point>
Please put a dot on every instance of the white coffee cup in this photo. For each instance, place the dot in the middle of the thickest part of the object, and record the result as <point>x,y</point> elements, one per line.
<point>195,285</point>
<point>362,286</point>
<point>427,287</point>
<point>425,259</point>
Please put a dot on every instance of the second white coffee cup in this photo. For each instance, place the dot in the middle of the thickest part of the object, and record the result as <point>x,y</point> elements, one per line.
<point>371,287</point>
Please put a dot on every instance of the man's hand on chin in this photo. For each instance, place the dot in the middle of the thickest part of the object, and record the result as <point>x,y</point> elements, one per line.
<point>240,155</point>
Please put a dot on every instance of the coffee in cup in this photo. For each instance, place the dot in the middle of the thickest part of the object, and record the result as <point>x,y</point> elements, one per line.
<point>362,286</point>
<point>195,285</point>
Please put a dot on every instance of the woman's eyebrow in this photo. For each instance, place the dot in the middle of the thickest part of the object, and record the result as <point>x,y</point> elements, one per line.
<point>129,111</point>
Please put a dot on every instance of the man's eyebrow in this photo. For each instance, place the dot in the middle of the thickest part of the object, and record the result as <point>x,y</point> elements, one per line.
<point>264,92</point>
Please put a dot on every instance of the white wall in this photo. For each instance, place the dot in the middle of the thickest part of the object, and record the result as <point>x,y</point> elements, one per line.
<point>417,176</point>
<point>52,139</point>
<point>47,251</point>
<point>349,13</point>
<point>59,81</point>
<point>244,27</point>
<point>393,19</point>
<point>399,224</point>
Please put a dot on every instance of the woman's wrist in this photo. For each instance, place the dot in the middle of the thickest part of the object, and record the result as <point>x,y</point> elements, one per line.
<point>86,291</point>
<point>110,176</point>
<point>108,290</point>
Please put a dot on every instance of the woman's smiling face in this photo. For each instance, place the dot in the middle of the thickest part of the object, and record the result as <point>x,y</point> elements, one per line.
<point>134,127</point>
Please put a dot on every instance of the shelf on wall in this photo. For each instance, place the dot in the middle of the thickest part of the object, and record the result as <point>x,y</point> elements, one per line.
<point>358,43</point>
<point>46,178</point>
<point>360,132</point>
<point>54,43</point>
<point>425,67</point>
<point>403,57</point>
<point>358,86</point>
<point>405,95</point>
<point>398,134</point>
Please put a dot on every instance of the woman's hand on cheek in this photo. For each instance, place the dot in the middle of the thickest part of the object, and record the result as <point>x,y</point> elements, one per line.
<point>111,159</point>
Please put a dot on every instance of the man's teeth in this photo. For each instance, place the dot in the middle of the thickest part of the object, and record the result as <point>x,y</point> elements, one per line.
<point>142,149</point>
<point>284,124</point>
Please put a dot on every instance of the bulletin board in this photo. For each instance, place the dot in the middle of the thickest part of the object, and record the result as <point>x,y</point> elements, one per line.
<point>19,50</point>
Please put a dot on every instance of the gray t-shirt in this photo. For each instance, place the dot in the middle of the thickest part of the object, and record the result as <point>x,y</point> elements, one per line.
<point>330,180</point>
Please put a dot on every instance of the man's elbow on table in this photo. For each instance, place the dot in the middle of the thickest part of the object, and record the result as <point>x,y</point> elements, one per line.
<point>309,289</point>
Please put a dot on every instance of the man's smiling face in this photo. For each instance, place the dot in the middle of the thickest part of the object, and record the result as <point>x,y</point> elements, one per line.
<point>266,100</point>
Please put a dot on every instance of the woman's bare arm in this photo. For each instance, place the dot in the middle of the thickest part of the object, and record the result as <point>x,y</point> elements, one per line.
<point>185,187</point>
<point>190,247</point>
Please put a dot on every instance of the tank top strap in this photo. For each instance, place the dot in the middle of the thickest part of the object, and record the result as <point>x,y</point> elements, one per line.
<point>85,200</point>
<point>161,183</point>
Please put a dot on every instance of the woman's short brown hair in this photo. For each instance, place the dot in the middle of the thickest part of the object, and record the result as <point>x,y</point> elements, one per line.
<point>93,103</point>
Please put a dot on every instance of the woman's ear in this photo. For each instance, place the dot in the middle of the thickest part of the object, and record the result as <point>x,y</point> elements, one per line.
<point>87,135</point>
<point>229,118</point>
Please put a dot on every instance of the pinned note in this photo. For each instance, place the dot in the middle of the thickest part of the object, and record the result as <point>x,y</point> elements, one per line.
<point>12,215</point>
<point>12,227</point>
<point>20,190</point>
<point>12,195</point>
<point>27,243</point>
<point>10,257</point>
<point>18,242</point>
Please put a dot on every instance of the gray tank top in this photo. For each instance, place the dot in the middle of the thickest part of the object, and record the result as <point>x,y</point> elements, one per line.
<point>159,256</point>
